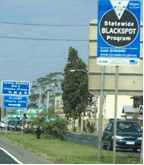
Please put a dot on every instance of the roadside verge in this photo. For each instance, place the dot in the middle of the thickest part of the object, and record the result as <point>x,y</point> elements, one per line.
<point>64,152</point>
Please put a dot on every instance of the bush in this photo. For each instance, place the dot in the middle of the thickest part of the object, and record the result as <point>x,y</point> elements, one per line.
<point>30,129</point>
<point>44,136</point>
<point>56,128</point>
<point>90,127</point>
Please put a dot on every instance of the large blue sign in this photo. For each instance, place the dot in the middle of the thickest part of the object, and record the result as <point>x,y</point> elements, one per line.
<point>15,88</point>
<point>118,32</point>
<point>15,102</point>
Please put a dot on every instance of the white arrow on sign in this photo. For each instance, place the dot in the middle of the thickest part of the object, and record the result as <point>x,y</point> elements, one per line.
<point>9,92</point>
<point>15,105</point>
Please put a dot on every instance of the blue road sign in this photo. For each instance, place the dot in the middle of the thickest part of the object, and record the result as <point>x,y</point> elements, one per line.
<point>15,102</point>
<point>15,88</point>
<point>118,32</point>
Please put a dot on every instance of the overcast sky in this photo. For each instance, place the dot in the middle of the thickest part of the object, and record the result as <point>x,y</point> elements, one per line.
<point>27,60</point>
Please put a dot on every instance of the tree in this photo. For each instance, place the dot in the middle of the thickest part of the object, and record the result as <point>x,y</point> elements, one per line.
<point>51,111</point>
<point>137,100</point>
<point>32,105</point>
<point>75,87</point>
<point>41,85</point>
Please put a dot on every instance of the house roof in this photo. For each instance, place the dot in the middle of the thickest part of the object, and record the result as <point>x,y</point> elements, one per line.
<point>128,109</point>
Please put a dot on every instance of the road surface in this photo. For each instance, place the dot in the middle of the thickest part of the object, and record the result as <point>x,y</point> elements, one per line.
<point>6,159</point>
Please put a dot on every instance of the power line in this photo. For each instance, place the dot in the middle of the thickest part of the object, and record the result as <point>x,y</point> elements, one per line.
<point>42,39</point>
<point>29,24</point>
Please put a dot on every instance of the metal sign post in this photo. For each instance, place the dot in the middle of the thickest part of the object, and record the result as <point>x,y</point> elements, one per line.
<point>141,154</point>
<point>95,110</point>
<point>6,123</point>
<point>21,116</point>
<point>115,114</point>
<point>1,107</point>
<point>101,111</point>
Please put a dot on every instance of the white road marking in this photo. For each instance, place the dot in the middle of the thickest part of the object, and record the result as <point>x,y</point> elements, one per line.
<point>89,138</point>
<point>84,140</point>
<point>75,139</point>
<point>69,138</point>
<point>14,158</point>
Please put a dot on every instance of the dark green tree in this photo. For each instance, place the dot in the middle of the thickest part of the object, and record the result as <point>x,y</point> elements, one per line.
<point>75,87</point>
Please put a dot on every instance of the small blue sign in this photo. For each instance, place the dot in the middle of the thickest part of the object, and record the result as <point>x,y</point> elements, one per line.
<point>118,32</point>
<point>15,88</point>
<point>15,102</point>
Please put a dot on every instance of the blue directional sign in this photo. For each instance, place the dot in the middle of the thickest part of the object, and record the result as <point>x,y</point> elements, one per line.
<point>15,102</point>
<point>118,32</point>
<point>15,88</point>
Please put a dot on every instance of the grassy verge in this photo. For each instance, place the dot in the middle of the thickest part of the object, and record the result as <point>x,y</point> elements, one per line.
<point>68,153</point>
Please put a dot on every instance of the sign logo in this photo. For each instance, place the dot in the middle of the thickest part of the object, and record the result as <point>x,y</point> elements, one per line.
<point>118,31</point>
<point>134,62</point>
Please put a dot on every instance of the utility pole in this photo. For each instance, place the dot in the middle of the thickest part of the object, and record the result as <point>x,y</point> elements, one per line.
<point>54,97</point>
<point>39,98</point>
<point>47,104</point>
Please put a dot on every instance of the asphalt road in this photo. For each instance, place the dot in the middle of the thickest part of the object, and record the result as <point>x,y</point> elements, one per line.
<point>6,159</point>
<point>92,140</point>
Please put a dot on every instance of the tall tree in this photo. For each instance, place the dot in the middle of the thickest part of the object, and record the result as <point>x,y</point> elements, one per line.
<point>41,85</point>
<point>75,94</point>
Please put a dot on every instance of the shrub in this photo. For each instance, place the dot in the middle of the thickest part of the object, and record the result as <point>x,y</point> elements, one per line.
<point>90,127</point>
<point>44,136</point>
<point>30,129</point>
<point>56,128</point>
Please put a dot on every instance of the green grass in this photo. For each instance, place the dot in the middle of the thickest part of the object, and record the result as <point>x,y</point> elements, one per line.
<point>68,153</point>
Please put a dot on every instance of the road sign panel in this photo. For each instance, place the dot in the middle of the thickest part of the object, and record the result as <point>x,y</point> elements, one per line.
<point>15,102</point>
<point>118,33</point>
<point>15,88</point>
